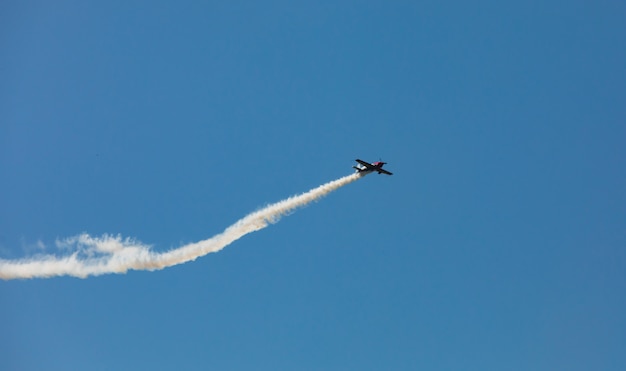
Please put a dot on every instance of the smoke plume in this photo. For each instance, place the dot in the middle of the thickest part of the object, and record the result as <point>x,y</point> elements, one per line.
<point>93,256</point>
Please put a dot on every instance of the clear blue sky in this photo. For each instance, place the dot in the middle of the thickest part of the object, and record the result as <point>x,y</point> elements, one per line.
<point>498,244</point>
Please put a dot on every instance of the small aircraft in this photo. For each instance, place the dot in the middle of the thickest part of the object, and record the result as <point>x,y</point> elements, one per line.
<point>366,167</point>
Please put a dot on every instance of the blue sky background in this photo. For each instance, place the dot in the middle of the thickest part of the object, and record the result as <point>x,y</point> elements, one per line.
<point>498,244</point>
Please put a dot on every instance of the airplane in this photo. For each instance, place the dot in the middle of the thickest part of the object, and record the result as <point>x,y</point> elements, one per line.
<point>366,167</point>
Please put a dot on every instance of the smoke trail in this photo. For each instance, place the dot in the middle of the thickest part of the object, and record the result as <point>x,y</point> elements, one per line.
<point>93,256</point>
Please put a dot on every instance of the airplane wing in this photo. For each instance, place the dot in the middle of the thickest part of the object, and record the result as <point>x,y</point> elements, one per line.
<point>384,171</point>
<point>366,164</point>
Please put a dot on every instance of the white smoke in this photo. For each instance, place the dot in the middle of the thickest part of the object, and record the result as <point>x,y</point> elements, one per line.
<point>93,256</point>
